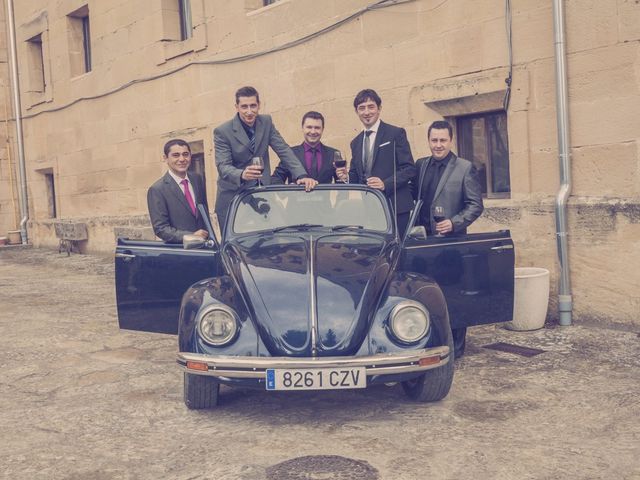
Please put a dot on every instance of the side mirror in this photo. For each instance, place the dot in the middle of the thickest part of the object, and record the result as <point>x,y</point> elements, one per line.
<point>418,233</point>
<point>190,242</point>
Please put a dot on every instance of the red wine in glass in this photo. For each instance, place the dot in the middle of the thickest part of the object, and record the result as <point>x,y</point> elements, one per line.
<point>438,216</point>
<point>338,161</point>
<point>258,162</point>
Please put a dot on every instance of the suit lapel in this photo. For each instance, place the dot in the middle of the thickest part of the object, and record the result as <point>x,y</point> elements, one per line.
<point>175,190</point>
<point>445,176</point>
<point>260,132</point>
<point>327,161</point>
<point>238,131</point>
<point>376,146</point>
<point>298,150</point>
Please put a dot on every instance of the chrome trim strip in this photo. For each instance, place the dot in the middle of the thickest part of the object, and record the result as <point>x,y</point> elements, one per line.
<point>312,300</point>
<point>503,247</point>
<point>164,249</point>
<point>458,243</point>
<point>255,367</point>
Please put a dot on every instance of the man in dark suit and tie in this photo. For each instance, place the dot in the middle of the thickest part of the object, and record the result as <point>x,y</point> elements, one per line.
<point>445,180</point>
<point>315,157</point>
<point>249,134</point>
<point>173,198</point>
<point>381,157</point>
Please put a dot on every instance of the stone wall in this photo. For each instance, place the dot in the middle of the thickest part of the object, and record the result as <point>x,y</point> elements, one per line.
<point>427,58</point>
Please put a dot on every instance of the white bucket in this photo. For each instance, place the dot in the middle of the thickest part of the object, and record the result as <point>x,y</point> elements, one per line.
<point>530,299</point>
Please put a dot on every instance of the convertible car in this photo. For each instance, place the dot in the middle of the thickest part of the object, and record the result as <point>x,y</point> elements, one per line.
<point>315,290</point>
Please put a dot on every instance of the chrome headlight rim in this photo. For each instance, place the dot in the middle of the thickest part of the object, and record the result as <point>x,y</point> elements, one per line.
<point>394,315</point>
<point>229,338</point>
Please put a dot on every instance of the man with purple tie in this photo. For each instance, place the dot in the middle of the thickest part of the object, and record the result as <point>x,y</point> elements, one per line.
<point>316,157</point>
<point>173,198</point>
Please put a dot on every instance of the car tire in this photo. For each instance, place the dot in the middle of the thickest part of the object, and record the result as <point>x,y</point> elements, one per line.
<point>459,341</point>
<point>200,391</point>
<point>433,385</point>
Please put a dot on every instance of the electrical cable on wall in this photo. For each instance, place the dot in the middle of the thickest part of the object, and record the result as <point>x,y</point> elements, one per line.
<point>374,6</point>
<point>509,79</point>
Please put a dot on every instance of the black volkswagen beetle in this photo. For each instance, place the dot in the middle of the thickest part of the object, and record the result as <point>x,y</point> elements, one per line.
<point>314,290</point>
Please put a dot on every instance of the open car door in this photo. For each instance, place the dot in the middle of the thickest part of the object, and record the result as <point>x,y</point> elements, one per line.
<point>474,271</point>
<point>151,278</point>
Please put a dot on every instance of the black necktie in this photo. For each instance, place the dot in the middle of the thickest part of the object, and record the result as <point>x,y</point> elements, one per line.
<point>252,139</point>
<point>314,163</point>
<point>366,158</point>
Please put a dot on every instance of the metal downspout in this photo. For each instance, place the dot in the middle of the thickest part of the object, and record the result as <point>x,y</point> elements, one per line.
<point>565,301</point>
<point>13,60</point>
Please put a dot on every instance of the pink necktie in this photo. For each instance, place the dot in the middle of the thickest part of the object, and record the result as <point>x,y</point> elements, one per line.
<point>187,194</point>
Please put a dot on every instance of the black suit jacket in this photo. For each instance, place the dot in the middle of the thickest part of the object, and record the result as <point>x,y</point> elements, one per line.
<point>388,137</point>
<point>327,173</point>
<point>170,213</point>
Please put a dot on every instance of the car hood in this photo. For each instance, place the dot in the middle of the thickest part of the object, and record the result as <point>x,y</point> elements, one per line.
<point>285,278</point>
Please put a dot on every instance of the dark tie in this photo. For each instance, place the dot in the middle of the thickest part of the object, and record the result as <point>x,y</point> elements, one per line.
<point>187,194</point>
<point>252,139</point>
<point>366,157</point>
<point>314,163</point>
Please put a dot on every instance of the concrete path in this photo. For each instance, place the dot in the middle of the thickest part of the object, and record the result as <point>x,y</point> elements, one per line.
<point>80,399</point>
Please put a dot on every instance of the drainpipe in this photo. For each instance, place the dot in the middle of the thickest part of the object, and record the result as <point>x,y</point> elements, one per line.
<point>565,301</point>
<point>13,58</point>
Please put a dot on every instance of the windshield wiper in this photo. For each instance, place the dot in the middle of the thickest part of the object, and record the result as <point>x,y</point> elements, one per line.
<point>298,226</point>
<point>345,227</point>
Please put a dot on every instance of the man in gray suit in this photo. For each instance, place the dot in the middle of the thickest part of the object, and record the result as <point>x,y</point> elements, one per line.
<point>249,134</point>
<point>445,180</point>
<point>173,198</point>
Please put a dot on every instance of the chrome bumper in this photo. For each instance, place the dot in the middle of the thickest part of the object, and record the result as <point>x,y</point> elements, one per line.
<point>255,367</point>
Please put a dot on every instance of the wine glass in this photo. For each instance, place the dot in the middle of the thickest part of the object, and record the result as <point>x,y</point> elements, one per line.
<point>258,162</point>
<point>338,161</point>
<point>438,216</point>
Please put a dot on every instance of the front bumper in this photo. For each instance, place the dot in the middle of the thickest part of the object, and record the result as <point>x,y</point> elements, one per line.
<point>235,367</point>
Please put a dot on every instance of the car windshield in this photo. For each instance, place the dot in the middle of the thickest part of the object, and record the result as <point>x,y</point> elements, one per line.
<point>338,208</point>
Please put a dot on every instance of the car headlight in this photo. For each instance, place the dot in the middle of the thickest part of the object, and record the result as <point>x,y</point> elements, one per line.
<point>218,325</point>
<point>409,321</point>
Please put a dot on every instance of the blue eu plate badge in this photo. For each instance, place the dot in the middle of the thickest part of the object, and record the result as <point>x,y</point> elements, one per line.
<point>271,379</point>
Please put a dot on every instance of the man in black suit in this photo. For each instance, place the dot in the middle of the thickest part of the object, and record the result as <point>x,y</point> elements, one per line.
<point>381,157</point>
<point>315,157</point>
<point>173,198</point>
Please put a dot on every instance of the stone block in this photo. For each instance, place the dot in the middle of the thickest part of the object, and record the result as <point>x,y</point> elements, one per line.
<point>380,31</point>
<point>134,233</point>
<point>596,121</point>
<point>533,34</point>
<point>628,20</point>
<point>590,24</point>
<point>544,172</point>
<point>606,72</point>
<point>464,50</point>
<point>68,230</point>
<point>606,170</point>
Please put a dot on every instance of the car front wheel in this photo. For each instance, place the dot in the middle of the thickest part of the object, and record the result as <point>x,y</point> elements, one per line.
<point>433,385</point>
<point>200,391</point>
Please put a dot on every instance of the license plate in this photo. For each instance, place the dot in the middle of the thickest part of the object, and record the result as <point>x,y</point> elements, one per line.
<point>316,378</point>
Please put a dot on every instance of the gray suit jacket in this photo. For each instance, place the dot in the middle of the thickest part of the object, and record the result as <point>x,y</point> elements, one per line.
<point>458,191</point>
<point>169,211</point>
<point>233,153</point>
